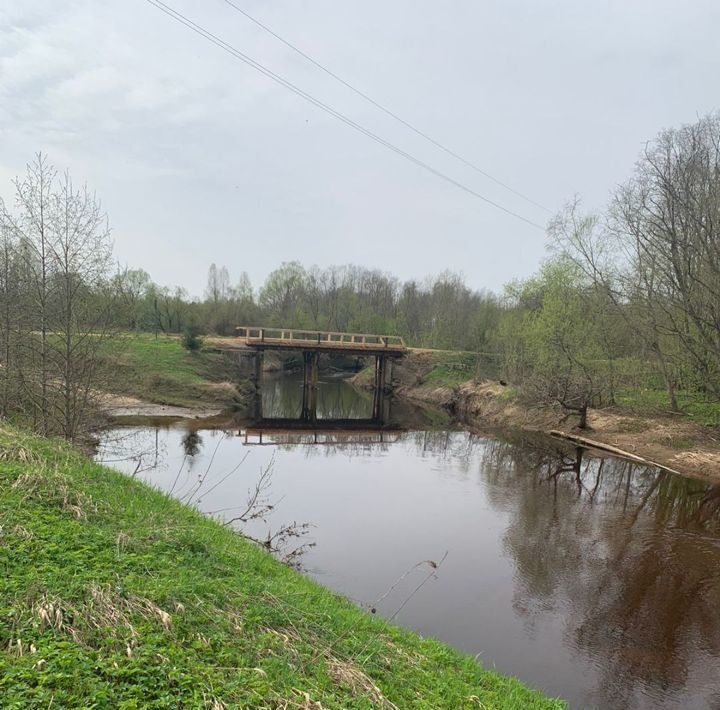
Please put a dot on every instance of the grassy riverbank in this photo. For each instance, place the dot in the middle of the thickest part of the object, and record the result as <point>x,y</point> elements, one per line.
<point>427,369</point>
<point>115,595</point>
<point>160,370</point>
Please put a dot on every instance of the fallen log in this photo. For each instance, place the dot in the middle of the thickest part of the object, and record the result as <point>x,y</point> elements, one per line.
<point>601,446</point>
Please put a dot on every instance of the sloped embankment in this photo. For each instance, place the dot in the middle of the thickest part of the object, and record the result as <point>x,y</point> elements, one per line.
<point>115,595</point>
<point>138,368</point>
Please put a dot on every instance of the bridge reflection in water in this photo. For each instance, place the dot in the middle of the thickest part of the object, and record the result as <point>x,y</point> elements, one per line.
<point>337,429</point>
<point>312,344</point>
<point>354,432</point>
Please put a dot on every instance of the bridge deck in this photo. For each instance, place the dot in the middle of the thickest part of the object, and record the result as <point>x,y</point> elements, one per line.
<point>321,341</point>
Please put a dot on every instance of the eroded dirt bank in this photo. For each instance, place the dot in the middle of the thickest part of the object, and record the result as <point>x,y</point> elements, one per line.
<point>673,442</point>
<point>118,405</point>
<point>437,378</point>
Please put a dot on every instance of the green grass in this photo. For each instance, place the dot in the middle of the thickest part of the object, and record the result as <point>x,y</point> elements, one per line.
<point>446,376</point>
<point>449,368</point>
<point>113,595</point>
<point>162,371</point>
<point>654,401</point>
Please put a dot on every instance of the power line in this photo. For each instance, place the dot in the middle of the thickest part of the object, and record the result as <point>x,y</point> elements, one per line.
<point>237,54</point>
<point>386,110</point>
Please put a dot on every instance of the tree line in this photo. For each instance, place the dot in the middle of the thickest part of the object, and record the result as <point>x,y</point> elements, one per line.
<point>628,298</point>
<point>631,296</point>
<point>440,312</point>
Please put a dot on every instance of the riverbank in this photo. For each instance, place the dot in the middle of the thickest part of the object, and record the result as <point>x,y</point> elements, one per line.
<point>443,380</point>
<point>117,595</point>
<point>145,375</point>
<point>139,369</point>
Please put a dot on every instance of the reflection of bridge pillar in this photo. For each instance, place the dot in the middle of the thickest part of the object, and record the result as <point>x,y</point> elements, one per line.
<point>381,368</point>
<point>311,361</point>
<point>257,381</point>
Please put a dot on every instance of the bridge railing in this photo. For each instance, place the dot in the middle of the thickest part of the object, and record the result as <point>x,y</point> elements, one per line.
<point>296,336</point>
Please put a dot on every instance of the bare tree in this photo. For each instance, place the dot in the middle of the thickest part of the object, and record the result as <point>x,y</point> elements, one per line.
<point>667,219</point>
<point>55,255</point>
<point>243,292</point>
<point>32,231</point>
<point>218,284</point>
<point>9,297</point>
<point>81,252</point>
<point>131,288</point>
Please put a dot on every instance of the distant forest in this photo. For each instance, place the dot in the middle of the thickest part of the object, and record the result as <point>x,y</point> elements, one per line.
<point>628,298</point>
<point>440,312</point>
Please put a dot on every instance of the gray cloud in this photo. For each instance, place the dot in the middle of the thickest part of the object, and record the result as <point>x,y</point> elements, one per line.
<point>200,159</point>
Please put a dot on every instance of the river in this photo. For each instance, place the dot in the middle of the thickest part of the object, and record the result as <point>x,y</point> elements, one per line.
<point>593,579</point>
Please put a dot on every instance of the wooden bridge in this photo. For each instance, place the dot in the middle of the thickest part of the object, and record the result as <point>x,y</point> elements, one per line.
<point>313,343</point>
<point>321,341</point>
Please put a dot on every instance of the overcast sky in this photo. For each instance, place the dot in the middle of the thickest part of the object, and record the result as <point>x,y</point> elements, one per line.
<point>198,158</point>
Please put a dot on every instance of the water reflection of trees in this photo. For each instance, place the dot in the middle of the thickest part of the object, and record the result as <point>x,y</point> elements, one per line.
<point>629,555</point>
<point>458,446</point>
<point>135,450</point>
<point>191,443</point>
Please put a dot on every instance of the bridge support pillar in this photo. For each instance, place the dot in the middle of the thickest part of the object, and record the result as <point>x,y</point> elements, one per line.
<point>311,362</point>
<point>257,382</point>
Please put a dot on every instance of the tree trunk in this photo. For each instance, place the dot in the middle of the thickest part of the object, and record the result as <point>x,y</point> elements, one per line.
<point>583,423</point>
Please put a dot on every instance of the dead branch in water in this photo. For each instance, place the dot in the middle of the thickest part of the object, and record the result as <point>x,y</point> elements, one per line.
<point>258,507</point>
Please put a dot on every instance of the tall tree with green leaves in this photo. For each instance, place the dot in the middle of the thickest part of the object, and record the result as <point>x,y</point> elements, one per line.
<point>560,354</point>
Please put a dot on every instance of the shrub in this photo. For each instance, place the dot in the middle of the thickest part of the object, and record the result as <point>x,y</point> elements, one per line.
<point>191,339</point>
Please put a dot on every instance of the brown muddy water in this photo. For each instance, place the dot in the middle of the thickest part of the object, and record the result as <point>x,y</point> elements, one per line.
<point>593,579</point>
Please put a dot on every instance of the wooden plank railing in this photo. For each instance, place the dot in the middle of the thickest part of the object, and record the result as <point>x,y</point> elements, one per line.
<point>296,336</point>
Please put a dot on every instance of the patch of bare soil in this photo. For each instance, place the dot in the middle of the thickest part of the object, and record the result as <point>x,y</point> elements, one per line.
<point>673,442</point>
<point>118,405</point>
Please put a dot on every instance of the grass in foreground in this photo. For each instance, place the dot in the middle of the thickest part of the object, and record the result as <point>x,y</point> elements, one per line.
<point>113,595</point>
<point>160,370</point>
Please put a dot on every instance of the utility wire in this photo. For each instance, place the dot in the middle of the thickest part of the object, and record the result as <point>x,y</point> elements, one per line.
<point>233,51</point>
<point>384,109</point>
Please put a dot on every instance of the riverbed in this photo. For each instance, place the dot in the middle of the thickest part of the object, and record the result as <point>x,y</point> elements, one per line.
<point>590,578</point>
